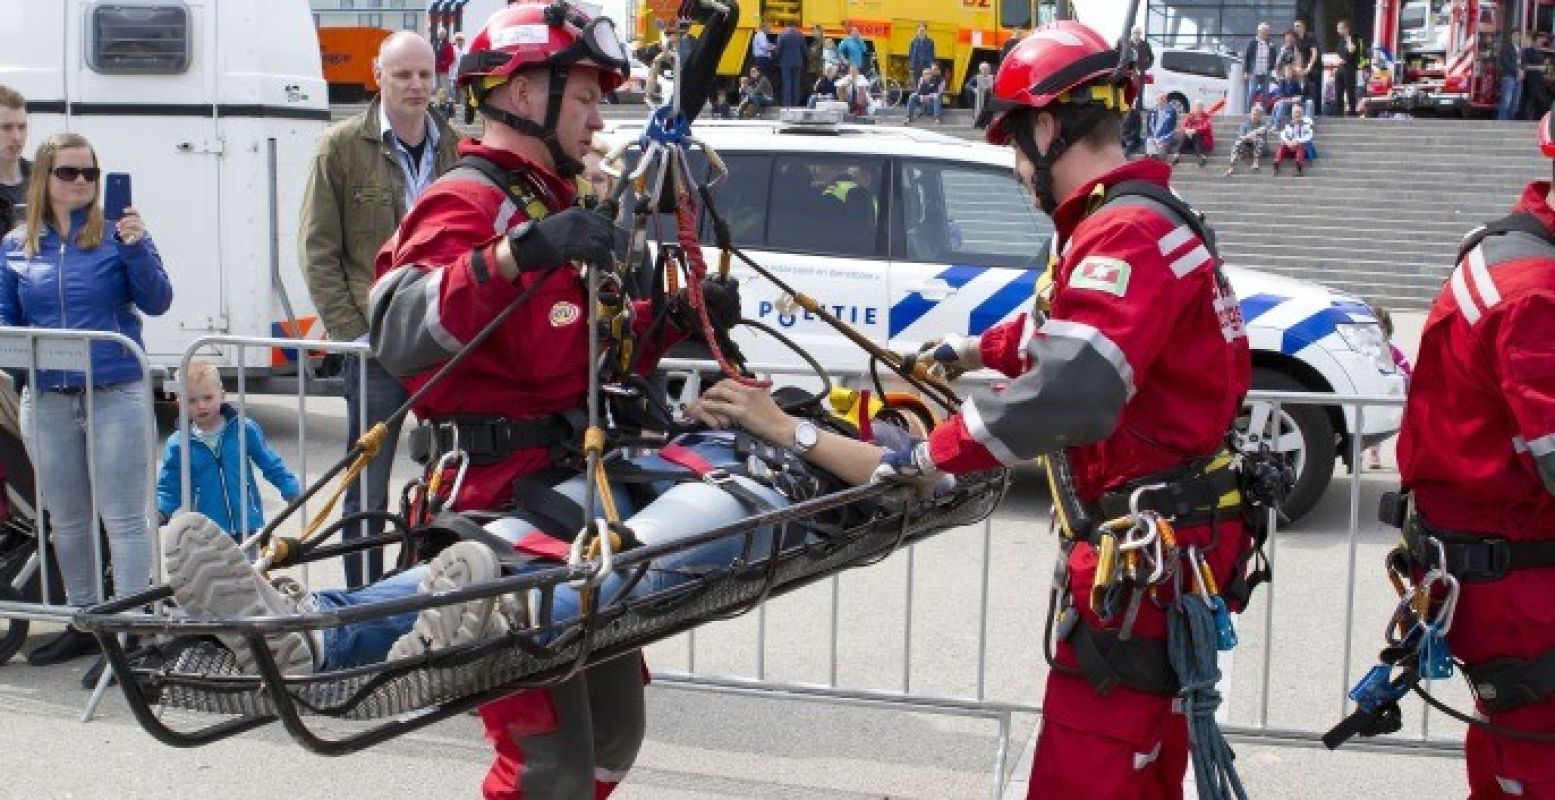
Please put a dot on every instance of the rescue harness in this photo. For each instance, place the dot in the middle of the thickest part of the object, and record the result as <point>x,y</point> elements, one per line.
<point>1427,570</point>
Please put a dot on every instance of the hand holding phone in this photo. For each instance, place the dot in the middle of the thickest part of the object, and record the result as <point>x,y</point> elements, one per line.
<point>116,195</point>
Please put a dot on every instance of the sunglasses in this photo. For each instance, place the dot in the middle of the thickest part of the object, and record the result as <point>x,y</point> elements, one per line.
<point>69,174</point>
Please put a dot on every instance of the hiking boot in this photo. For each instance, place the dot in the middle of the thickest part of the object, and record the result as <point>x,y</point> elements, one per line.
<point>70,644</point>
<point>440,627</point>
<point>211,578</point>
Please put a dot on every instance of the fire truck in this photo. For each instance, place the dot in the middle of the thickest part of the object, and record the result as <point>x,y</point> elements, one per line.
<point>1439,56</point>
<point>965,32</point>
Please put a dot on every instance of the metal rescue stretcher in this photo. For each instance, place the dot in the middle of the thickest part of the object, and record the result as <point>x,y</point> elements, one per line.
<point>182,665</point>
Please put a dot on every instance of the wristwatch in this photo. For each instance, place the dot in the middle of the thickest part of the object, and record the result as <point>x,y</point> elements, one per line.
<point>806,435</point>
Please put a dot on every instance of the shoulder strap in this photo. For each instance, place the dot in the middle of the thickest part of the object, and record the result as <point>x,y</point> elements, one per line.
<point>1175,205</point>
<point>513,183</point>
<point>1520,222</point>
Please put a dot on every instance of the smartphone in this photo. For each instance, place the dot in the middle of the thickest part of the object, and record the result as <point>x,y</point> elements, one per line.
<point>116,195</point>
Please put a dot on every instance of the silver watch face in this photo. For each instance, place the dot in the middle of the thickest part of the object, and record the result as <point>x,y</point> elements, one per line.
<point>805,436</point>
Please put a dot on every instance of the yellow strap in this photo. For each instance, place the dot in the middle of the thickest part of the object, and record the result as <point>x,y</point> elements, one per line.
<point>370,443</point>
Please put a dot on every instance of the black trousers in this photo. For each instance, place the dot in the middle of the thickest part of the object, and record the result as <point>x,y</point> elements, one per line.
<point>1345,89</point>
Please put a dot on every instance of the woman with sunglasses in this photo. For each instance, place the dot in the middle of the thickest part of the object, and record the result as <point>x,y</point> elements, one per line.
<point>66,268</point>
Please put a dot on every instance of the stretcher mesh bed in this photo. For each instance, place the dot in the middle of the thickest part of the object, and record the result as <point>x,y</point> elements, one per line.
<point>194,672</point>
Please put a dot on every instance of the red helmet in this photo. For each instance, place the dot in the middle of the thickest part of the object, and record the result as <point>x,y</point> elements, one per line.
<point>540,33</point>
<point>1547,135</point>
<point>1049,65</point>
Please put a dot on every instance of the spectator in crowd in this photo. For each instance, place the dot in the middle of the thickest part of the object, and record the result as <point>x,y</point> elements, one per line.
<point>853,50</point>
<point>459,50</point>
<point>815,57</point>
<point>367,172</point>
<point>1162,134</point>
<point>755,94</point>
<point>595,182</point>
<point>825,86</point>
<point>1370,457</point>
<point>853,89</point>
<point>1142,57</point>
<point>1509,64</point>
<point>69,268</point>
<point>1290,93</point>
<point>14,170</point>
<point>1312,62</point>
<point>221,480</point>
<point>764,52</point>
<point>443,104</point>
<point>1252,140</point>
<point>929,92</point>
<point>829,54</point>
<point>1290,53</point>
<point>790,55</point>
<point>1259,58</point>
<point>980,87</point>
<point>1133,132</point>
<point>1349,50</point>
<point>446,59</point>
<point>1198,134</point>
<point>1295,138</point>
<point>920,52</point>
<point>1535,99</point>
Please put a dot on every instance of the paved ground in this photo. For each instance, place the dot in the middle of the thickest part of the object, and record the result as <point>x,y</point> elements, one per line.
<point>703,745</point>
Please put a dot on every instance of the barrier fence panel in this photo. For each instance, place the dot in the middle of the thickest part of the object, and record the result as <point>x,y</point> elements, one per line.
<point>248,529</point>
<point>27,564</point>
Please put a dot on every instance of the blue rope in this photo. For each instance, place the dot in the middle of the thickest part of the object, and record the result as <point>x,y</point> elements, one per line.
<point>1190,645</point>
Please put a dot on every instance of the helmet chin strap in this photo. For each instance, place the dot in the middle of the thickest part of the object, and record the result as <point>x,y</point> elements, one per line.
<point>1024,134</point>
<point>566,166</point>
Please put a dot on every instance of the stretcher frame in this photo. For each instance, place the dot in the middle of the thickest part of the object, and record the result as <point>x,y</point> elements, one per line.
<point>404,695</point>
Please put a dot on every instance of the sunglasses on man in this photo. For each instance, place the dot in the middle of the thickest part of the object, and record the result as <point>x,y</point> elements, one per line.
<point>69,174</point>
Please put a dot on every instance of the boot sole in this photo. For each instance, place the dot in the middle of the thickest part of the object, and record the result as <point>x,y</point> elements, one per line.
<point>210,577</point>
<point>441,627</point>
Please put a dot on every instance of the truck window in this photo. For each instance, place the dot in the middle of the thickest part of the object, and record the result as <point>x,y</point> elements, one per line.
<point>962,214</point>
<point>139,39</point>
<point>825,205</point>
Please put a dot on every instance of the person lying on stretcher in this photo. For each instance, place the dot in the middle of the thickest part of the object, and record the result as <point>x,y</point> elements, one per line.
<point>210,576</point>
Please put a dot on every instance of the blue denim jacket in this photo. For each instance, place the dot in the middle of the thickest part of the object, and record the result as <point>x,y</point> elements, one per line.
<point>104,289</point>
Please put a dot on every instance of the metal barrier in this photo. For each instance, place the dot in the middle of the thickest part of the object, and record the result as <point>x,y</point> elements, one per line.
<point>241,344</point>
<point>979,703</point>
<point>31,350</point>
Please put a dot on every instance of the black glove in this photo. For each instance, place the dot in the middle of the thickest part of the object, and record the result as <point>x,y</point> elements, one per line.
<point>722,296</point>
<point>571,235</point>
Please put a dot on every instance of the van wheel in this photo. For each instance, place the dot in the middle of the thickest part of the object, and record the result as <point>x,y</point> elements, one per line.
<point>1302,433</point>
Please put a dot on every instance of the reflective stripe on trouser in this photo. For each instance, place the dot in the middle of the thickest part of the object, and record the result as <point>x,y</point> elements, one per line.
<point>1080,761</point>
<point>573,741</point>
<point>1499,768</point>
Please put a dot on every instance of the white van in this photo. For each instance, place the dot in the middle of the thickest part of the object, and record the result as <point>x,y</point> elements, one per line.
<point>1191,76</point>
<point>214,108</point>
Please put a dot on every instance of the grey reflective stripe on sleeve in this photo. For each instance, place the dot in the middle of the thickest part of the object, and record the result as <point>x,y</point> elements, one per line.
<point>408,336</point>
<point>1543,451</point>
<point>1074,396</point>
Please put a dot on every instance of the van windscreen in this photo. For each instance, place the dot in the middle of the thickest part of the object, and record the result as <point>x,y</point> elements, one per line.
<point>139,39</point>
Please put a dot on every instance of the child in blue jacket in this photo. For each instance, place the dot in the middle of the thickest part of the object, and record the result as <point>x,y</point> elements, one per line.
<point>217,472</point>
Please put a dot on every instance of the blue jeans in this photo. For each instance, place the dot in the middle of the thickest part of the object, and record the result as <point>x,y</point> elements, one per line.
<point>679,511</point>
<point>792,76</point>
<point>1511,93</point>
<point>384,395</point>
<point>1256,84</point>
<point>915,100</point>
<point>120,467</point>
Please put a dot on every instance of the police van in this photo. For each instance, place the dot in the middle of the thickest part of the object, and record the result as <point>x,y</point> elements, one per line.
<point>213,107</point>
<point>907,235</point>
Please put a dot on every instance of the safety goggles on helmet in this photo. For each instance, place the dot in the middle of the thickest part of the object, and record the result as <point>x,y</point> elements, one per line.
<point>594,43</point>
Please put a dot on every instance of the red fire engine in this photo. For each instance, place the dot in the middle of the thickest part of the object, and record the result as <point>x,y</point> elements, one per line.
<point>1439,56</point>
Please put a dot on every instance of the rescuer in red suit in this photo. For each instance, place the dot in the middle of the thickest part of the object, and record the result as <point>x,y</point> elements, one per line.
<point>1477,451</point>
<point>1137,375</point>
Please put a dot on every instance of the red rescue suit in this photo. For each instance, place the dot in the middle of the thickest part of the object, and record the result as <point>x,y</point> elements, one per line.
<point>1478,451</point>
<point>1141,367</point>
<point>433,294</point>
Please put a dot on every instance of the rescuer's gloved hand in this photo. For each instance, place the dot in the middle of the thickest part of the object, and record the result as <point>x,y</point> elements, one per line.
<point>575,234</point>
<point>910,466</point>
<point>955,355</point>
<point>722,296</point>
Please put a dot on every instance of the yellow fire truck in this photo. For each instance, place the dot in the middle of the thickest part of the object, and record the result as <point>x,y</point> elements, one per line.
<point>965,32</point>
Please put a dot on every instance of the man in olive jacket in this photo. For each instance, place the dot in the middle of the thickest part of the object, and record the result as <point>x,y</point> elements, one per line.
<point>368,171</point>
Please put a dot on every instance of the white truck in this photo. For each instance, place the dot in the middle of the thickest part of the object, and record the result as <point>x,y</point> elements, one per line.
<point>214,108</point>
